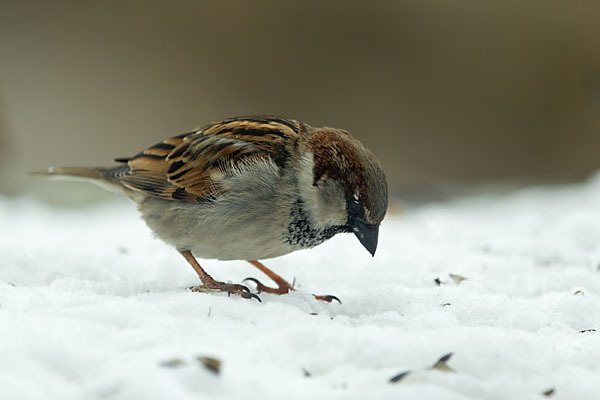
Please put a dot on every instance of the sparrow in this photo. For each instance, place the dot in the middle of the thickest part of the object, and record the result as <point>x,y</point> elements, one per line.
<point>251,188</point>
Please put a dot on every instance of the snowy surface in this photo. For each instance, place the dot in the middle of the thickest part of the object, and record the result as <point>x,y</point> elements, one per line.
<point>93,307</point>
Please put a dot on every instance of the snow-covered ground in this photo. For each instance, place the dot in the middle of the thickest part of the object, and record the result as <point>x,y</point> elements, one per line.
<point>93,307</point>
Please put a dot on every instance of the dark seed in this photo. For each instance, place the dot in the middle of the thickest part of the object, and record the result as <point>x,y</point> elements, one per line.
<point>442,365</point>
<point>210,363</point>
<point>549,392</point>
<point>399,377</point>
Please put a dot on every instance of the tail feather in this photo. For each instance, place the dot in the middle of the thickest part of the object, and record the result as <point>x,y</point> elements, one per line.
<point>77,172</point>
<point>108,178</point>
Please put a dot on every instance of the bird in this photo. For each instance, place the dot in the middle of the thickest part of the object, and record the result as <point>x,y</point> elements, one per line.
<point>250,188</point>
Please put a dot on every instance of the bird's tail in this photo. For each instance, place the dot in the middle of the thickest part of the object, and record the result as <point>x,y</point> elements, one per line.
<point>108,178</point>
<point>75,172</point>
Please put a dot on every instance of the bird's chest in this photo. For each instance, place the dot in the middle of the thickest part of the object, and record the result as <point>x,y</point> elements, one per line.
<point>301,234</point>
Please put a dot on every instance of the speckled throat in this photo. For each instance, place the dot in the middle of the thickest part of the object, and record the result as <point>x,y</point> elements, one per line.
<point>301,234</point>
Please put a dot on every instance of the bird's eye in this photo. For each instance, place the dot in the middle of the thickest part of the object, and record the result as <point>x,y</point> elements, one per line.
<point>354,205</point>
<point>354,208</point>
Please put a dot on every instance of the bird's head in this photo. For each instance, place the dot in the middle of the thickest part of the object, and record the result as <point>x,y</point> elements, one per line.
<point>347,185</point>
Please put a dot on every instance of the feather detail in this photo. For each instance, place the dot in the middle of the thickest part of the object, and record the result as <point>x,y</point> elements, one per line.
<point>190,167</point>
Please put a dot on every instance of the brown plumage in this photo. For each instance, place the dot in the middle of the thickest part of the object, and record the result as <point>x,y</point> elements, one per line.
<point>188,167</point>
<point>251,188</point>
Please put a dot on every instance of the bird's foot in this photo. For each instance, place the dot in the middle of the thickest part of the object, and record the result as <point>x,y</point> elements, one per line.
<point>327,297</point>
<point>283,287</point>
<point>229,288</point>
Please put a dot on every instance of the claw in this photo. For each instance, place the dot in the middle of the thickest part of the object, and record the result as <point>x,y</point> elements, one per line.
<point>251,296</point>
<point>244,288</point>
<point>328,298</point>
<point>242,291</point>
<point>259,286</point>
<point>252,280</point>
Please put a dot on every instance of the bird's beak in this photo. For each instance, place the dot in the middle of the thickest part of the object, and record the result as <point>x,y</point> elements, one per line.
<point>366,234</point>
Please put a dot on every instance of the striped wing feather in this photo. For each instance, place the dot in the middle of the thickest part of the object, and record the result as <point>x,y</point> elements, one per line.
<point>189,167</point>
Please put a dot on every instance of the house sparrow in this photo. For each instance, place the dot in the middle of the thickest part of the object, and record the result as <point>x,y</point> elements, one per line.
<point>251,188</point>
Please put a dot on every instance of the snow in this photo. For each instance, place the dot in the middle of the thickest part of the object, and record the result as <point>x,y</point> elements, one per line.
<point>93,307</point>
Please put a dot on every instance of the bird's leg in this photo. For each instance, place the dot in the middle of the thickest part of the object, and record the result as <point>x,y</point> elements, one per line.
<point>283,286</point>
<point>211,285</point>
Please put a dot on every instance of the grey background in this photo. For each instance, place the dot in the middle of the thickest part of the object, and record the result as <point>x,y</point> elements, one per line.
<point>446,93</point>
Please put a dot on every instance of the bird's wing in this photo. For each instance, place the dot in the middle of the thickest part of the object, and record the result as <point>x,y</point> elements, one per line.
<point>190,167</point>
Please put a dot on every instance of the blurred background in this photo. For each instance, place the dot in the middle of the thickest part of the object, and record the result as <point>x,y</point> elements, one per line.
<point>449,95</point>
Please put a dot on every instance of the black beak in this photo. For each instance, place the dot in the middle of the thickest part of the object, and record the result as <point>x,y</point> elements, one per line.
<point>366,234</point>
